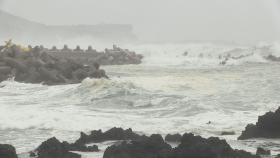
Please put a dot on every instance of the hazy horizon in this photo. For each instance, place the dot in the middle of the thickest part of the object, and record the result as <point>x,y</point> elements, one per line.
<point>177,20</point>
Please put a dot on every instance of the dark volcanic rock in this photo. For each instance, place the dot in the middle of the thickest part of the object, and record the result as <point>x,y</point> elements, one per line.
<point>191,147</point>
<point>173,137</point>
<point>53,148</point>
<point>112,134</point>
<point>153,147</point>
<point>268,126</point>
<point>197,147</point>
<point>80,147</point>
<point>7,151</point>
<point>261,151</point>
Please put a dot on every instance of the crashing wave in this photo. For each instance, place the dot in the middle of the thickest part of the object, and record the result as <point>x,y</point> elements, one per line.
<point>205,55</point>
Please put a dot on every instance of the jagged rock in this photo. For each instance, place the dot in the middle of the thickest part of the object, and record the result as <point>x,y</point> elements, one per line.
<point>112,134</point>
<point>173,137</point>
<point>191,147</point>
<point>7,151</point>
<point>153,147</point>
<point>261,151</point>
<point>53,148</point>
<point>197,147</point>
<point>268,126</point>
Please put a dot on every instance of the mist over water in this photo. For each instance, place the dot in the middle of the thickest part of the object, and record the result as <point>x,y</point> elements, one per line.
<point>240,21</point>
<point>203,61</point>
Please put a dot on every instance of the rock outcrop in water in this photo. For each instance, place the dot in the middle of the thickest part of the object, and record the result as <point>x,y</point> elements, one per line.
<point>268,126</point>
<point>112,134</point>
<point>53,148</point>
<point>197,147</point>
<point>132,145</point>
<point>153,147</point>
<point>7,151</point>
<point>191,147</point>
<point>36,66</point>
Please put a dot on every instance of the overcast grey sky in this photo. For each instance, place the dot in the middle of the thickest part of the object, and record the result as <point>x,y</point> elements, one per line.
<point>237,20</point>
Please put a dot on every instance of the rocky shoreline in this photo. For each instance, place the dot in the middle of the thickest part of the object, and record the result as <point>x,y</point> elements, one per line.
<point>55,67</point>
<point>132,145</point>
<point>268,126</point>
<point>129,144</point>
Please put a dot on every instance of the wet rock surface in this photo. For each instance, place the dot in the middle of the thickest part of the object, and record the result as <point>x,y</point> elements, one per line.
<point>7,151</point>
<point>153,147</point>
<point>132,145</point>
<point>268,126</point>
<point>191,147</point>
<point>198,147</point>
<point>53,148</point>
<point>112,134</point>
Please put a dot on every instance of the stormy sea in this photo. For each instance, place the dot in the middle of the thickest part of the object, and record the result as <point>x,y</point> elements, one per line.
<point>202,88</point>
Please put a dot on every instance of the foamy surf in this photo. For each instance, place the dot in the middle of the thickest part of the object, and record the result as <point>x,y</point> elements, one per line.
<point>168,93</point>
<point>195,55</point>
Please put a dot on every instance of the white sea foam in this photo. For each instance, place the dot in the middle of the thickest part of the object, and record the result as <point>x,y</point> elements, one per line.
<point>203,55</point>
<point>169,93</point>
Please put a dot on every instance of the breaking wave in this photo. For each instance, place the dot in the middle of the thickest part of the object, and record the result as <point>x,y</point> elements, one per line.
<point>205,55</point>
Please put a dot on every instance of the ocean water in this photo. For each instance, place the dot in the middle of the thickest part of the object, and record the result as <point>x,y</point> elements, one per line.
<point>168,93</point>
